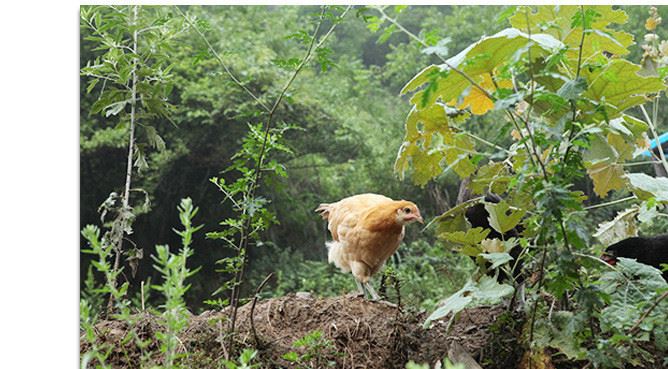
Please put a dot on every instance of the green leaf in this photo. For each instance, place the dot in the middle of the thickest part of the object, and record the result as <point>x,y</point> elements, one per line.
<point>557,20</point>
<point>91,85</point>
<point>621,227</point>
<point>154,138</point>
<point>374,23</point>
<point>657,187</point>
<point>482,57</point>
<point>618,87</point>
<point>487,291</point>
<point>115,108</point>
<point>491,177</point>
<point>453,304</point>
<point>387,33</point>
<point>399,8</point>
<point>606,177</point>
<point>472,236</point>
<point>502,217</point>
<point>584,19</point>
<point>497,258</point>
<point>572,89</point>
<point>291,356</point>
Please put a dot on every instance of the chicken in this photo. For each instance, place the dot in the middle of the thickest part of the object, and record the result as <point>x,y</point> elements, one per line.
<point>647,250</point>
<point>366,230</point>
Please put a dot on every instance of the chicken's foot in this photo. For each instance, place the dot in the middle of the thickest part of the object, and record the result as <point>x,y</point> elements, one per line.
<point>372,291</point>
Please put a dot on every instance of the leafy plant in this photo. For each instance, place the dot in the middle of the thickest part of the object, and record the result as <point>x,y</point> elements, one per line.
<point>96,352</point>
<point>104,266</point>
<point>251,162</point>
<point>174,271</point>
<point>314,351</point>
<point>135,74</point>
<point>244,362</point>
<point>570,109</point>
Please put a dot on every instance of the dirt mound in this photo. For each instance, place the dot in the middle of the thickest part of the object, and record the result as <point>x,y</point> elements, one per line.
<point>358,333</point>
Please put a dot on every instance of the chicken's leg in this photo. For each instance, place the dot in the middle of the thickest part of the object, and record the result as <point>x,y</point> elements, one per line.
<point>372,291</point>
<point>362,274</point>
<point>360,287</point>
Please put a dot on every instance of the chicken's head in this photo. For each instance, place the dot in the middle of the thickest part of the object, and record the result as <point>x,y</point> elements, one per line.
<point>408,212</point>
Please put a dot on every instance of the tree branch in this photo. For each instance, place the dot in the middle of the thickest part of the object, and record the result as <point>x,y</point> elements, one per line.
<point>445,62</point>
<point>244,241</point>
<point>221,62</point>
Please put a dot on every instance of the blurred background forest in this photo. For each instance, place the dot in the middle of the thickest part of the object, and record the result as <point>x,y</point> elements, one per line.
<point>344,123</point>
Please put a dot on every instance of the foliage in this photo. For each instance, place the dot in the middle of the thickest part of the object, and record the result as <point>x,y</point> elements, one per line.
<point>570,107</point>
<point>313,350</point>
<point>250,209</point>
<point>104,266</point>
<point>486,291</point>
<point>551,112</point>
<point>135,74</point>
<point>174,271</point>
<point>245,360</point>
<point>96,352</point>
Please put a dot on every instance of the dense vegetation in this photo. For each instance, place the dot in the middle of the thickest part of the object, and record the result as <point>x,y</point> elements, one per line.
<point>248,117</point>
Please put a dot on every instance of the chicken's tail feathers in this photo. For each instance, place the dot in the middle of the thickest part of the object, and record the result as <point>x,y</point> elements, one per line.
<point>323,210</point>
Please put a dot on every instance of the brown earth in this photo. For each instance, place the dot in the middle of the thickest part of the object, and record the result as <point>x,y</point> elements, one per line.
<point>362,333</point>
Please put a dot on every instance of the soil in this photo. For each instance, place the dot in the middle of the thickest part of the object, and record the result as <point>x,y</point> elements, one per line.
<point>361,333</point>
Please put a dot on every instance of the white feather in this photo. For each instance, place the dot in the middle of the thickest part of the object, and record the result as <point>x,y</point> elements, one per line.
<point>336,255</point>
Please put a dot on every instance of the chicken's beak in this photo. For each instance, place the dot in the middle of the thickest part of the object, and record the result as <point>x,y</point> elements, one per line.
<point>419,219</point>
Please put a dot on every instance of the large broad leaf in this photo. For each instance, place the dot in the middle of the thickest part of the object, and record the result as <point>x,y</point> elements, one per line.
<point>622,227</point>
<point>487,291</point>
<point>565,23</point>
<point>502,217</point>
<point>497,258</point>
<point>656,186</point>
<point>432,147</point>
<point>632,287</point>
<point>601,161</point>
<point>492,176</point>
<point>618,87</point>
<point>481,58</point>
<point>606,176</point>
<point>472,236</point>
<point>477,101</point>
<point>561,333</point>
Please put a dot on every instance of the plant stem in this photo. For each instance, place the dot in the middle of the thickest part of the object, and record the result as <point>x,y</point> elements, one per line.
<point>559,215</point>
<point>655,135</point>
<point>577,75</point>
<point>125,207</point>
<point>244,237</point>
<point>488,143</point>
<point>604,204</point>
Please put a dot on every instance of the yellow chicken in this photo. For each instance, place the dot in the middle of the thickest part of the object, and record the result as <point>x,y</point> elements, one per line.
<point>366,230</point>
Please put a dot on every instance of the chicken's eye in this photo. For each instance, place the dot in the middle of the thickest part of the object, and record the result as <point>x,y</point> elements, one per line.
<point>407,210</point>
